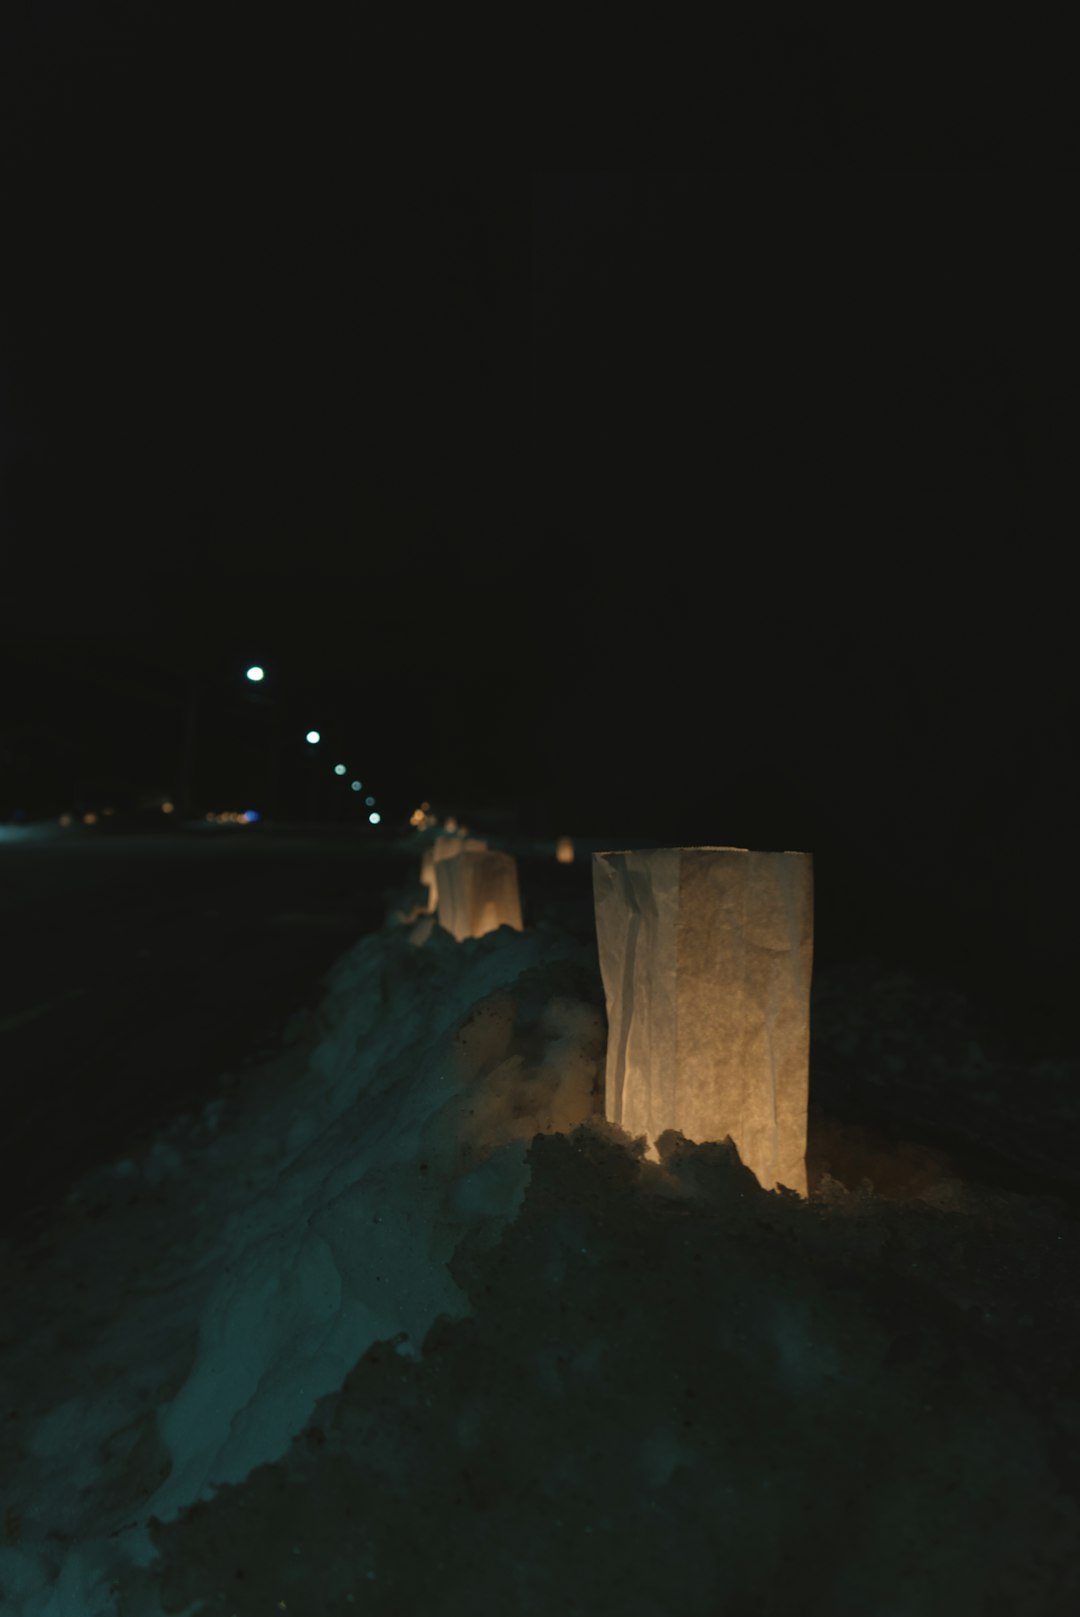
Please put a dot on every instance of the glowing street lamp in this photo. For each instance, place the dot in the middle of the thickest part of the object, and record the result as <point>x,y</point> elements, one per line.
<point>355,785</point>
<point>255,674</point>
<point>314,737</point>
<point>339,769</point>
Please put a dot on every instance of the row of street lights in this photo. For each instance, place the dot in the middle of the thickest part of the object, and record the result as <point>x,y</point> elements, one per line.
<point>314,737</point>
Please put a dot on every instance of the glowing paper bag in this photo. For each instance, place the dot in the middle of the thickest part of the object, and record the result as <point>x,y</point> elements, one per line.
<point>706,956</point>
<point>478,891</point>
<point>444,848</point>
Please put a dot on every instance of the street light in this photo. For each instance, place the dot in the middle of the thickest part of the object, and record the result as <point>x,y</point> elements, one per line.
<point>256,674</point>
<point>313,736</point>
<point>339,769</point>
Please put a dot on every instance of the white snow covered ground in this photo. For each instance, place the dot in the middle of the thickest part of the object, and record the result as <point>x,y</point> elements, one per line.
<point>399,1325</point>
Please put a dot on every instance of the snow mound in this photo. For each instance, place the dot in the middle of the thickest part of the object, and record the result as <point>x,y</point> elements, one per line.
<point>401,1324</point>
<point>233,1275</point>
<point>673,1393</point>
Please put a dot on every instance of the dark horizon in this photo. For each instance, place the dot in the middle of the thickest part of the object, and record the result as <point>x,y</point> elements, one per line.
<point>717,506</point>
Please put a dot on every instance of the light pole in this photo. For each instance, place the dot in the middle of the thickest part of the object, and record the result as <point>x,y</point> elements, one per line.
<point>313,738</point>
<point>271,707</point>
<point>187,765</point>
<point>186,797</point>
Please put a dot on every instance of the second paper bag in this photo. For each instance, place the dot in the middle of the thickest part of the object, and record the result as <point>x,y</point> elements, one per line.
<point>478,892</point>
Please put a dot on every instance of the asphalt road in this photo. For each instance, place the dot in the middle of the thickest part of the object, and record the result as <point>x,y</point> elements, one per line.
<point>137,970</point>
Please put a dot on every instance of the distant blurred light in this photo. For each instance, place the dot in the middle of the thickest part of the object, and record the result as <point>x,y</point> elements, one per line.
<point>426,807</point>
<point>89,819</point>
<point>65,819</point>
<point>313,736</point>
<point>375,819</point>
<point>339,769</point>
<point>108,811</point>
<point>416,818</point>
<point>356,785</point>
<point>255,673</point>
<point>251,815</point>
<point>370,801</point>
<point>167,808</point>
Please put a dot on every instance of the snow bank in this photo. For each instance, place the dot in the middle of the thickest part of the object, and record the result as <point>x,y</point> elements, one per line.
<point>674,1394</point>
<point>401,1325</point>
<point>236,1273</point>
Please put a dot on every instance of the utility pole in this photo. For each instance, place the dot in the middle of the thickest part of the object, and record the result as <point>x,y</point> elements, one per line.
<point>187,767</point>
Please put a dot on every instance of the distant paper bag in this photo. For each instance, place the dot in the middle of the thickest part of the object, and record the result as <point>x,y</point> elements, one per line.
<point>706,956</point>
<point>442,849</point>
<point>478,891</point>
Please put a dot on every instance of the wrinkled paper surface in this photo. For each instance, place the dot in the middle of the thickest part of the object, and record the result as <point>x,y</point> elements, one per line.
<point>477,892</point>
<point>446,847</point>
<point>706,956</point>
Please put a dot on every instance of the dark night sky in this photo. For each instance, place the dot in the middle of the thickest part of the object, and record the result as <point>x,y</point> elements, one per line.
<point>727,504</point>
